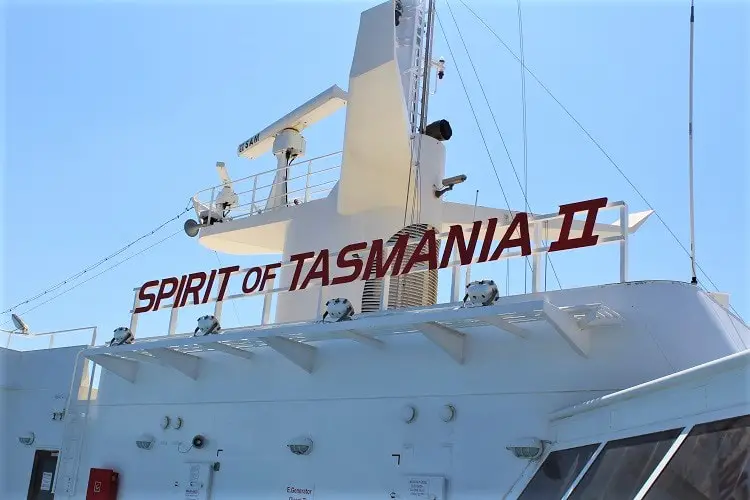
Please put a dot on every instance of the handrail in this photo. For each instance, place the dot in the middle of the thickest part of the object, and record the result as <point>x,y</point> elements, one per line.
<point>246,207</point>
<point>538,248</point>
<point>51,336</point>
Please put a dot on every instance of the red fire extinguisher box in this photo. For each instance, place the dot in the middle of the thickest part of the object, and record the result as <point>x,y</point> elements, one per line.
<point>102,484</point>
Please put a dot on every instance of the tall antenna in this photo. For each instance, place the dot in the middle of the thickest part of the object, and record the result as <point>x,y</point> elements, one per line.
<point>427,64</point>
<point>694,279</point>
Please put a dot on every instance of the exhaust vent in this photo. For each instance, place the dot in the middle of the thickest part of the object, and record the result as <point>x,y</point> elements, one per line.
<point>415,289</point>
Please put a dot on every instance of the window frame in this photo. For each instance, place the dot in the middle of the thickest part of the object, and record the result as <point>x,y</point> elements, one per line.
<point>584,470</point>
<point>687,422</point>
<point>664,462</point>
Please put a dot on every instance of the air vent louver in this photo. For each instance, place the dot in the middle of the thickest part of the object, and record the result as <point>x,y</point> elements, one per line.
<point>412,290</point>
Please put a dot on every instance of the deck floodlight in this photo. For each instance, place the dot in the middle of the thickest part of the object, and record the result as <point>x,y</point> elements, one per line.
<point>338,310</point>
<point>122,335</point>
<point>206,326</point>
<point>20,324</point>
<point>480,293</point>
<point>527,449</point>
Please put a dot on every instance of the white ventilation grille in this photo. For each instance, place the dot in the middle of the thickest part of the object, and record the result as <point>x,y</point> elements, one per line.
<point>411,290</point>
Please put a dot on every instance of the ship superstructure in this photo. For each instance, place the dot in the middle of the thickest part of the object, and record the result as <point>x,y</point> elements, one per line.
<point>355,382</point>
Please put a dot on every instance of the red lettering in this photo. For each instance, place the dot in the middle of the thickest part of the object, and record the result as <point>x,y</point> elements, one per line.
<point>456,237</point>
<point>144,295</point>
<point>521,223</point>
<point>394,258</point>
<point>258,272</point>
<point>211,278</point>
<point>300,259</point>
<point>176,301</point>
<point>587,238</point>
<point>268,274</point>
<point>163,293</point>
<point>428,242</point>
<point>487,243</point>
<point>323,273</point>
<point>192,288</point>
<point>342,262</point>
<point>225,273</point>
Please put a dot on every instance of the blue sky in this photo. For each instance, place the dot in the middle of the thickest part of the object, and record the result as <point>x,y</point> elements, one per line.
<point>115,115</point>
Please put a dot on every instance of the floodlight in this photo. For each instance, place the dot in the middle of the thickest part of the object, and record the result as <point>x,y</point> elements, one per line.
<point>527,449</point>
<point>480,293</point>
<point>122,335</point>
<point>338,310</point>
<point>206,326</point>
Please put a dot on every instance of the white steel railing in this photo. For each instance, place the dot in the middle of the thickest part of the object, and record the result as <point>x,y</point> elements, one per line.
<point>51,336</point>
<point>537,225</point>
<point>307,180</point>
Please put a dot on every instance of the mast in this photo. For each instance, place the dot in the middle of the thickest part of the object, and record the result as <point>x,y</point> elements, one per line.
<point>694,279</point>
<point>427,65</point>
<point>415,32</point>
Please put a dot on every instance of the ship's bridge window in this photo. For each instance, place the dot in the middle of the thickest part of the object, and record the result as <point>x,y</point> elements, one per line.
<point>557,473</point>
<point>712,463</point>
<point>620,470</point>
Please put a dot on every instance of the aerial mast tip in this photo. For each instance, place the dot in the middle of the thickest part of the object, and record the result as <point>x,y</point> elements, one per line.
<point>694,279</point>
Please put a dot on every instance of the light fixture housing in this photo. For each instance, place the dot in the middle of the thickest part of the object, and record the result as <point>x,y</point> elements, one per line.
<point>480,293</point>
<point>408,414</point>
<point>301,445</point>
<point>207,325</point>
<point>338,309</point>
<point>122,335</point>
<point>447,413</point>
<point>145,442</point>
<point>527,448</point>
<point>27,439</point>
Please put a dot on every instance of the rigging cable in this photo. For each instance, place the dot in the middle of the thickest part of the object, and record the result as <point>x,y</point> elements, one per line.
<point>595,142</point>
<point>525,139</point>
<point>101,272</point>
<point>97,264</point>
<point>476,119</point>
<point>494,120</point>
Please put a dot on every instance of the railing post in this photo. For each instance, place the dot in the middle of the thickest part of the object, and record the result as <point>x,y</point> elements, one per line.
<point>536,259</point>
<point>385,291</point>
<point>320,303</point>
<point>307,181</point>
<point>51,341</point>
<point>455,278</point>
<point>173,321</point>
<point>211,205</point>
<point>624,243</point>
<point>252,200</point>
<point>134,316</point>
<point>266,318</point>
